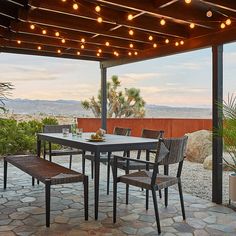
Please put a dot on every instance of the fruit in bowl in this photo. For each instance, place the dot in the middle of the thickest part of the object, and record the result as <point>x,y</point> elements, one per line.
<point>96,136</point>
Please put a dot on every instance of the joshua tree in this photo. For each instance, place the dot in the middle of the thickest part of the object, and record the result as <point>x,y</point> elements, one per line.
<point>128,103</point>
<point>5,88</point>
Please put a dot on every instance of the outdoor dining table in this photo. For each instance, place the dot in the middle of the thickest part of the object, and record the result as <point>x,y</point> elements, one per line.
<point>111,143</point>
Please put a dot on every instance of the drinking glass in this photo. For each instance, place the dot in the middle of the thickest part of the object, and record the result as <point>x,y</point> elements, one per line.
<point>65,132</point>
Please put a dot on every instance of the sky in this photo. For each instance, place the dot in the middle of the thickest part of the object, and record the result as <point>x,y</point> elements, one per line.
<point>179,80</point>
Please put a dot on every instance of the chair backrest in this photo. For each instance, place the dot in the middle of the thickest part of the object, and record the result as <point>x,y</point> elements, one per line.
<point>155,134</point>
<point>170,151</point>
<point>122,131</point>
<point>55,128</point>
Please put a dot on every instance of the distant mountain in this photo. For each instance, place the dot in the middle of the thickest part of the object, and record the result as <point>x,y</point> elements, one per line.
<point>74,108</point>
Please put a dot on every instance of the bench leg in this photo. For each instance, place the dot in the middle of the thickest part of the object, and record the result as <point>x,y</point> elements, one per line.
<point>86,197</point>
<point>47,198</point>
<point>5,175</point>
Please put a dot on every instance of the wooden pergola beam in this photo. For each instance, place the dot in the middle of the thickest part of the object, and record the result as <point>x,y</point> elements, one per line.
<point>163,3</point>
<point>226,4</point>
<point>114,17</point>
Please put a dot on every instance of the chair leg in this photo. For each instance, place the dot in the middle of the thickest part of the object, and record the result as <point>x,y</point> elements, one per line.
<point>108,172</point>
<point>70,164</point>
<point>5,175</point>
<point>181,199</point>
<point>86,197</point>
<point>92,169</point>
<point>47,199</point>
<point>33,180</point>
<point>127,190</point>
<point>114,199</point>
<point>83,165</point>
<point>160,195</point>
<point>156,210</point>
<point>147,199</point>
<point>166,172</point>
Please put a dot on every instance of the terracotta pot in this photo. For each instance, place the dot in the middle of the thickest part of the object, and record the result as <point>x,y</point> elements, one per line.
<point>232,187</point>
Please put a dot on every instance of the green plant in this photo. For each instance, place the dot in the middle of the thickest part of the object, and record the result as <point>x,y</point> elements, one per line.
<point>127,103</point>
<point>228,131</point>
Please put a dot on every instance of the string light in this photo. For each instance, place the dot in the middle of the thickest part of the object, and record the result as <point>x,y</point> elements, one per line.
<point>100,50</point>
<point>82,46</point>
<point>131,45</point>
<point>182,42</point>
<point>78,53</point>
<point>32,27</point>
<point>150,37</point>
<point>222,25</point>
<point>192,25</point>
<point>63,40</point>
<point>162,22</point>
<point>167,41</point>
<point>130,53</point>
<point>57,34</point>
<point>97,8</point>
<point>116,53</point>
<point>99,19</point>
<point>39,47</point>
<point>209,13</point>
<point>228,22</point>
<point>135,53</point>
<point>131,32</point>
<point>107,44</point>
<point>154,45</point>
<point>58,51</point>
<point>83,40</point>
<point>130,17</point>
<point>176,44</point>
<point>44,31</point>
<point>75,6</point>
<point>98,54</point>
<point>188,1</point>
<point>18,41</point>
<point>63,0</point>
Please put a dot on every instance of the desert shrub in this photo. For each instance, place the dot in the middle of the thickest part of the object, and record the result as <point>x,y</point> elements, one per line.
<point>20,137</point>
<point>49,121</point>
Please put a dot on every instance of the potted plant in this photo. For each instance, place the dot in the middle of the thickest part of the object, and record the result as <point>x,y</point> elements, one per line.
<point>228,132</point>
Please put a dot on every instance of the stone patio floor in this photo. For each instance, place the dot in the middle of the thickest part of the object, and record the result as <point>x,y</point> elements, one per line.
<point>22,210</point>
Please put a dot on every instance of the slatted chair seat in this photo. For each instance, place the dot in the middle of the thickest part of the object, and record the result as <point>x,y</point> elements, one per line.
<point>143,179</point>
<point>48,173</point>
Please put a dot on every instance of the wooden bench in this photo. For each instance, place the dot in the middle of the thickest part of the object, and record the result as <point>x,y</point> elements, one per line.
<point>48,173</point>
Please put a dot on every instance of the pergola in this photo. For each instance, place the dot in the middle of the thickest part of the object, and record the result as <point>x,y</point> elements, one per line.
<point>116,32</point>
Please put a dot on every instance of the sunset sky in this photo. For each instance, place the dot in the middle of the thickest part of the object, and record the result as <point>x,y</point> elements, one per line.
<point>181,80</point>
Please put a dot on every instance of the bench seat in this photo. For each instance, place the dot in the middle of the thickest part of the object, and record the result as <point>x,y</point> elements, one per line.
<point>48,173</point>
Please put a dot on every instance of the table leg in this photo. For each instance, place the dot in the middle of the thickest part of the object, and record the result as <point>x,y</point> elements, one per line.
<point>96,183</point>
<point>38,154</point>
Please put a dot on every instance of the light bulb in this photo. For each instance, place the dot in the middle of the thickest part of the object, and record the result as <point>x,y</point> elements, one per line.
<point>98,54</point>
<point>129,53</point>
<point>228,22</point>
<point>78,53</point>
<point>154,45</point>
<point>82,46</point>
<point>131,32</point>
<point>209,13</point>
<point>99,19</point>
<point>131,45</point>
<point>39,47</point>
<point>75,6</point>
<point>176,44</point>
<point>32,27</point>
<point>182,42</point>
<point>83,40</point>
<point>57,34</point>
<point>222,25</point>
<point>188,1</point>
<point>100,50</point>
<point>150,37</point>
<point>135,53</point>
<point>97,8</point>
<point>192,25</point>
<point>58,51</point>
<point>130,17</point>
<point>63,40</point>
<point>162,22</point>
<point>107,44</point>
<point>167,41</point>
<point>18,41</point>
<point>44,31</point>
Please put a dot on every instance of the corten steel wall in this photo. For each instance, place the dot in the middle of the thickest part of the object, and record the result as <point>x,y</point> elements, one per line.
<point>172,127</point>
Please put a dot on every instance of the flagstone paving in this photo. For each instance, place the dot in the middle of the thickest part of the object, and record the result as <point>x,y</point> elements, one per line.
<point>22,211</point>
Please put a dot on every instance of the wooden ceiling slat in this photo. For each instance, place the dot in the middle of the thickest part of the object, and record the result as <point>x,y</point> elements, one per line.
<point>74,35</point>
<point>163,3</point>
<point>87,9</point>
<point>229,5</point>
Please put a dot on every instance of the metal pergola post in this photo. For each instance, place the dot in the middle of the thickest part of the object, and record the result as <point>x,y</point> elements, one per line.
<point>217,99</point>
<point>103,97</point>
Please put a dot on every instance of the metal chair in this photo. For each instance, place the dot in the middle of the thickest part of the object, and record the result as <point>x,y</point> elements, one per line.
<point>132,165</point>
<point>58,152</point>
<point>169,151</point>
<point>105,158</point>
